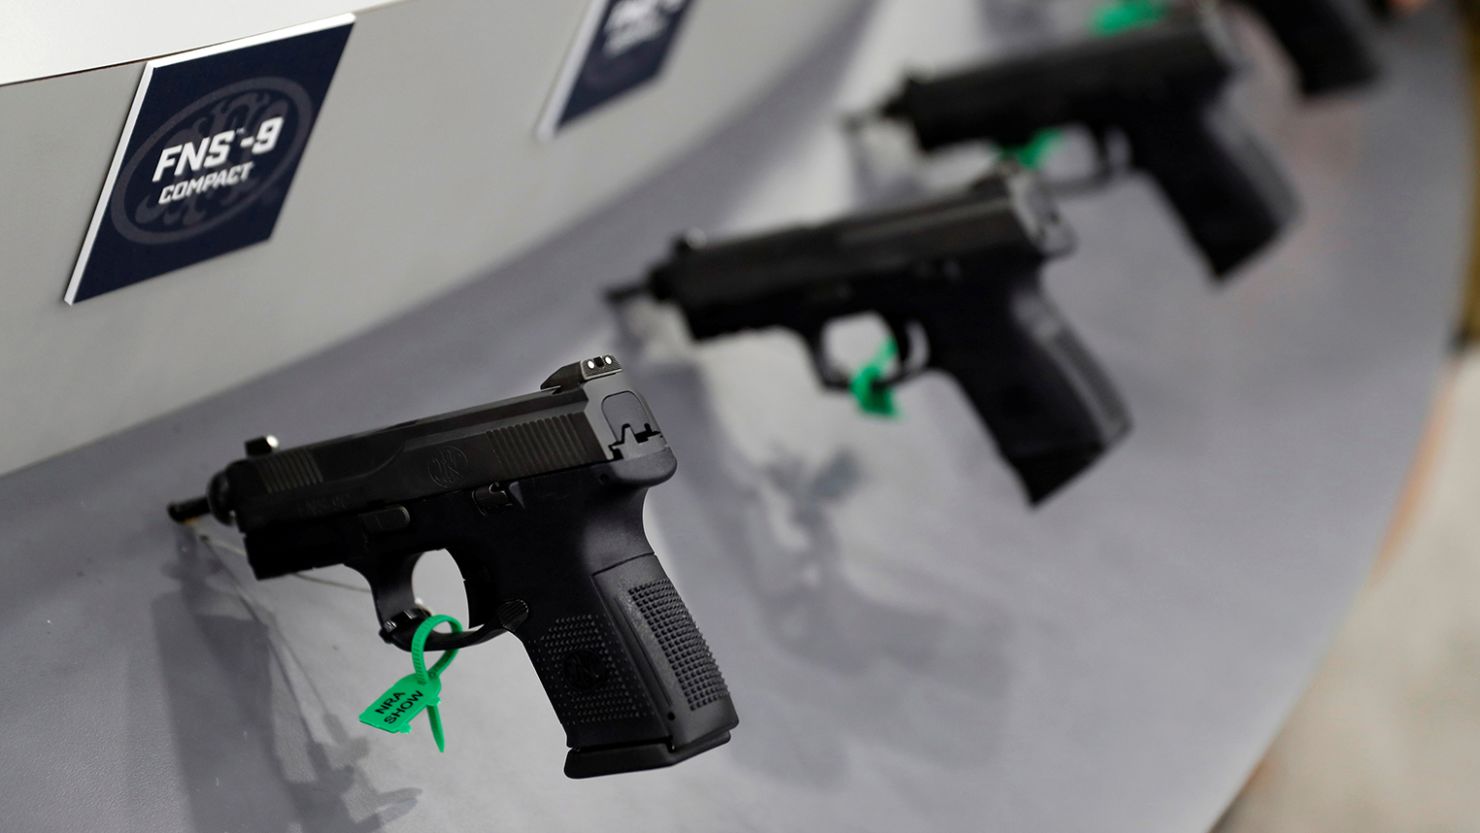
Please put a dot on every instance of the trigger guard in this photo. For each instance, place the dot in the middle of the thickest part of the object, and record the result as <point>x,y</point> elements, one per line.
<point>1106,170</point>
<point>399,611</point>
<point>829,373</point>
<point>907,367</point>
<point>832,375</point>
<point>401,636</point>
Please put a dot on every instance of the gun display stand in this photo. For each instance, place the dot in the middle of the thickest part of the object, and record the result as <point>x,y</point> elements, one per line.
<point>909,647</point>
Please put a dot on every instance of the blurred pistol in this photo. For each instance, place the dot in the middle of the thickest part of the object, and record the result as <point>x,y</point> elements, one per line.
<point>1326,41</point>
<point>964,270</point>
<point>539,501</point>
<point>1160,87</point>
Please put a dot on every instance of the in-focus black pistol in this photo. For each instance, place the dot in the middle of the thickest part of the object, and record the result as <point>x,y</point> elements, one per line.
<point>539,501</point>
<point>1326,40</point>
<point>1161,87</point>
<point>964,271</point>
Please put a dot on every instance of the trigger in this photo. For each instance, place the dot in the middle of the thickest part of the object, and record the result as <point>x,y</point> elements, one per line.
<point>478,588</point>
<point>1106,168</point>
<point>871,388</point>
<point>904,340</point>
<point>903,352</point>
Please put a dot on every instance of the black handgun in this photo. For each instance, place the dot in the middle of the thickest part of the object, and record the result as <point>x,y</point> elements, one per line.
<point>1161,88</point>
<point>1326,40</point>
<point>964,270</point>
<point>539,501</point>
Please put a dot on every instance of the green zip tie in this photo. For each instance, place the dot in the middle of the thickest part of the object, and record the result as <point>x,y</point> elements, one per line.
<point>1032,154</point>
<point>873,399</point>
<point>1127,14</point>
<point>417,692</point>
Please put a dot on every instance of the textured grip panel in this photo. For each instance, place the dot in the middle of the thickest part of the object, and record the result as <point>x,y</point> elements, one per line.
<point>626,671</point>
<point>682,643</point>
<point>589,681</point>
<point>543,445</point>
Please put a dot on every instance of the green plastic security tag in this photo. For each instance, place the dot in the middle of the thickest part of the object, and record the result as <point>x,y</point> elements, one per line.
<point>873,399</point>
<point>1032,154</point>
<point>1127,14</point>
<point>417,692</point>
<point>409,697</point>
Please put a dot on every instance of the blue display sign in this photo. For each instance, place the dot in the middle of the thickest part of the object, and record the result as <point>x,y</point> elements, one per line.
<point>622,44</point>
<point>207,154</point>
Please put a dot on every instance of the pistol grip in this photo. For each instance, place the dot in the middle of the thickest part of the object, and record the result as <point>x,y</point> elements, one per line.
<point>627,671</point>
<point>1326,41</point>
<point>1049,407</point>
<point>1232,197</point>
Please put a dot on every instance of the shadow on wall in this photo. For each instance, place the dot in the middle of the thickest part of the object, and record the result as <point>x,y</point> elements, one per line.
<point>908,679</point>
<point>246,753</point>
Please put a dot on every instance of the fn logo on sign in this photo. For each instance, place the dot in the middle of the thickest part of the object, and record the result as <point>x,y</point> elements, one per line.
<point>622,45</point>
<point>207,154</point>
